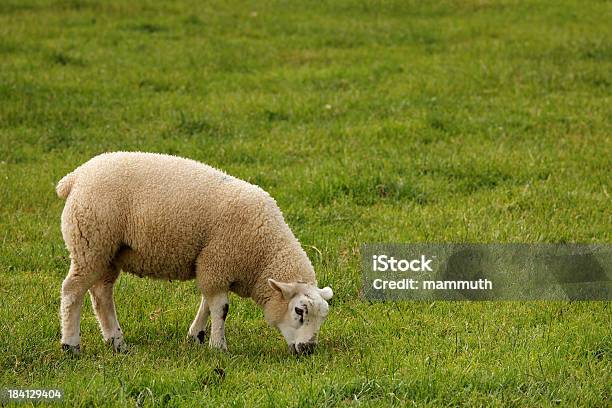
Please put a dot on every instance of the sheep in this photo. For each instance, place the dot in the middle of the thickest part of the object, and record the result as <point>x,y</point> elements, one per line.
<point>168,217</point>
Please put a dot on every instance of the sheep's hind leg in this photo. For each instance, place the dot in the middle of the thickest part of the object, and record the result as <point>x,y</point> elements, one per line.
<point>104,307</point>
<point>219,308</point>
<point>78,281</point>
<point>197,330</point>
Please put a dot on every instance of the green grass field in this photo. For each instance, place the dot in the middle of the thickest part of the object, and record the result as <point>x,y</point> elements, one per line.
<point>394,121</point>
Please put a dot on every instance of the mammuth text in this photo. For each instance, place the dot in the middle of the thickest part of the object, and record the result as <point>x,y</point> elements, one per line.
<point>411,284</point>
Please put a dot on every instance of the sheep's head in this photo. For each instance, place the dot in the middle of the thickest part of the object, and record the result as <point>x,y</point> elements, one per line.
<point>298,312</point>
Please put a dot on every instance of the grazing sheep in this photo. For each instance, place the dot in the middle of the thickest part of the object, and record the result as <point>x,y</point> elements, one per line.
<point>167,217</point>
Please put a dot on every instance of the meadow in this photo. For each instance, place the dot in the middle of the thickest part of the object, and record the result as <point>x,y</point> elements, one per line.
<point>383,121</point>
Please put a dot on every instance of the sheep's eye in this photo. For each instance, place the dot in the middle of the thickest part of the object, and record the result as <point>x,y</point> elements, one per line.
<point>299,311</point>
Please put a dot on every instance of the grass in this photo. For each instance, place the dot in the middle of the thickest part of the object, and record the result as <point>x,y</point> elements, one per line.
<point>395,121</point>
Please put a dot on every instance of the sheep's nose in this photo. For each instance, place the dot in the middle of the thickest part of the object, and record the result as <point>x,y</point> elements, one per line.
<point>305,348</point>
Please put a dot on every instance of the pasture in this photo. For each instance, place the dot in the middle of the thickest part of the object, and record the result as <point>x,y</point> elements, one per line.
<point>385,121</point>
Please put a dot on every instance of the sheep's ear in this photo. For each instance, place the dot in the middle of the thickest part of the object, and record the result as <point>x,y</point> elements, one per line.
<point>286,289</point>
<point>326,293</point>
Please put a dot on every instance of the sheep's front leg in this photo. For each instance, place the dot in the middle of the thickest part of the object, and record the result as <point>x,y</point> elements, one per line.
<point>197,330</point>
<point>219,306</point>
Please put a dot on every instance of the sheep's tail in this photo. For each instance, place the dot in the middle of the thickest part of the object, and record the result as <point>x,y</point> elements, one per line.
<point>65,185</point>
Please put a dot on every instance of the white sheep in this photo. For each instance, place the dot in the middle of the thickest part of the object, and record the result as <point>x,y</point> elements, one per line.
<point>167,217</point>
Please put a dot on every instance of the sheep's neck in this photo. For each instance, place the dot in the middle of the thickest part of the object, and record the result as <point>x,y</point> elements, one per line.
<point>291,265</point>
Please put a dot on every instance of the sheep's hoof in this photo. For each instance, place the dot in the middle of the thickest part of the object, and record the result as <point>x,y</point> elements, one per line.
<point>71,350</point>
<point>118,344</point>
<point>220,345</point>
